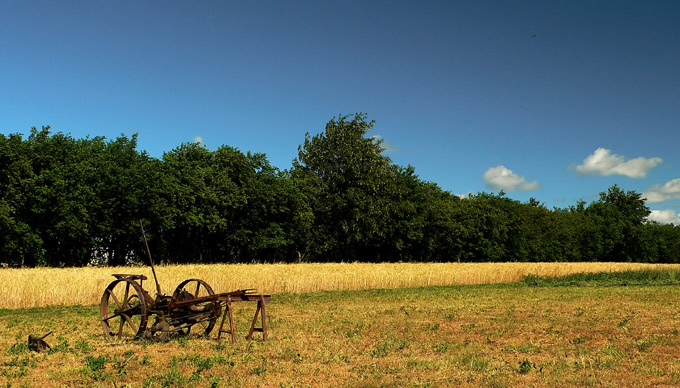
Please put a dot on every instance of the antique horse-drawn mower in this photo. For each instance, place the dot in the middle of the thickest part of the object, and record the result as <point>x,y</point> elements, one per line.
<point>126,308</point>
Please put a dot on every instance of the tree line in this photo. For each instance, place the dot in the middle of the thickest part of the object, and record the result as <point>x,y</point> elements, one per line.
<point>76,202</point>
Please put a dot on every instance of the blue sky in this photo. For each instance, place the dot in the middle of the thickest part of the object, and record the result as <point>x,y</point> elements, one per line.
<point>552,100</point>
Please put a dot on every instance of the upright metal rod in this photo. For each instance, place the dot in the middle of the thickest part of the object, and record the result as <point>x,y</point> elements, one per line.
<point>148,252</point>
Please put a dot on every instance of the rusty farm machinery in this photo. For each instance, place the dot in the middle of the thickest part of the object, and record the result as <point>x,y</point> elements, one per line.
<point>128,311</point>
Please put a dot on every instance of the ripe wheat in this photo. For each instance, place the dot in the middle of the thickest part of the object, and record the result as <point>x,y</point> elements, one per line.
<point>36,287</point>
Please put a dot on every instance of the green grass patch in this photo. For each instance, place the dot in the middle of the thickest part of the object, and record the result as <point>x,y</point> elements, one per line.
<point>662,277</point>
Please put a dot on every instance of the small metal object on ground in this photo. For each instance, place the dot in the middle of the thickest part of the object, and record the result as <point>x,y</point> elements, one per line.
<point>38,344</point>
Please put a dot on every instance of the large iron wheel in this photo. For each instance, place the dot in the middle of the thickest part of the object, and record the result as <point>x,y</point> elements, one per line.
<point>206,312</point>
<point>123,310</point>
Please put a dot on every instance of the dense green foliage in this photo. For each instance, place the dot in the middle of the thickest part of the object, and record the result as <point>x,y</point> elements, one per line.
<point>73,202</point>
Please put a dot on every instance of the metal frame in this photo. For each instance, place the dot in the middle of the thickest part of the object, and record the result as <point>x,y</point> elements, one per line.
<point>126,307</point>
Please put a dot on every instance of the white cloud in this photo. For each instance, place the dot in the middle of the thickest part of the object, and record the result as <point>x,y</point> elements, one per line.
<point>502,178</point>
<point>464,196</point>
<point>387,147</point>
<point>603,162</point>
<point>667,216</point>
<point>199,140</point>
<point>668,192</point>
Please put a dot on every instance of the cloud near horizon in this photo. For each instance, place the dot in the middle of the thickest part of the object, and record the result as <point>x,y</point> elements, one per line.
<point>668,192</point>
<point>502,178</point>
<point>199,140</point>
<point>603,162</point>
<point>667,216</point>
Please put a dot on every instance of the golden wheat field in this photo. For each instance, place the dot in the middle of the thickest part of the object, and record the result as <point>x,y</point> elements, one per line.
<point>39,287</point>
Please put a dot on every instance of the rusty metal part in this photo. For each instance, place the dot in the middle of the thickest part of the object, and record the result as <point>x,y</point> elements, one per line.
<point>195,298</point>
<point>148,252</point>
<point>123,309</point>
<point>37,344</point>
<point>263,328</point>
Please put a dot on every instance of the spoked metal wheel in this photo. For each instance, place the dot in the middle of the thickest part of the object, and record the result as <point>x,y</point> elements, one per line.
<point>204,314</point>
<point>123,310</point>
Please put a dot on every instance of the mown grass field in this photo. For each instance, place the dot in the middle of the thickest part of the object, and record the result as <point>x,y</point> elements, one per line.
<point>591,332</point>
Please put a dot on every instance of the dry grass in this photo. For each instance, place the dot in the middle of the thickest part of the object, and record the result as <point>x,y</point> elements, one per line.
<point>37,287</point>
<point>467,336</point>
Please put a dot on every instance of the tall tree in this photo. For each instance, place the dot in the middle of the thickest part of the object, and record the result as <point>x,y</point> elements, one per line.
<point>125,192</point>
<point>350,184</point>
<point>617,220</point>
<point>20,245</point>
